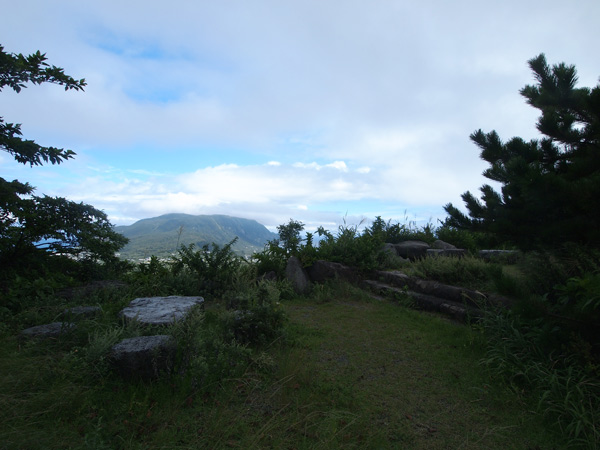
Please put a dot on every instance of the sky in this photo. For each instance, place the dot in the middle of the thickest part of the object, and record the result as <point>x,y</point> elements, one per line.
<point>325,112</point>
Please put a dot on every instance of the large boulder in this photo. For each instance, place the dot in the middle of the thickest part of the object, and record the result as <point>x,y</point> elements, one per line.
<point>160,310</point>
<point>412,249</point>
<point>389,249</point>
<point>324,270</point>
<point>441,245</point>
<point>144,357</point>
<point>297,275</point>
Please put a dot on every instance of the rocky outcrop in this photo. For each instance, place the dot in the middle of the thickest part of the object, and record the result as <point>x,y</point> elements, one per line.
<point>455,252</point>
<point>144,357</point>
<point>297,275</point>
<point>160,310</point>
<point>459,303</point>
<point>441,245</point>
<point>324,270</point>
<point>411,250</point>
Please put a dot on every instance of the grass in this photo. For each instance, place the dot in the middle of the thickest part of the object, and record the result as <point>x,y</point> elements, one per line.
<point>349,372</point>
<point>473,273</point>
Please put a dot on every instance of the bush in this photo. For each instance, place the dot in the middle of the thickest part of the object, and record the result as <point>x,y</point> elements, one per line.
<point>272,259</point>
<point>206,350</point>
<point>258,319</point>
<point>215,270</point>
<point>351,248</point>
<point>468,240</point>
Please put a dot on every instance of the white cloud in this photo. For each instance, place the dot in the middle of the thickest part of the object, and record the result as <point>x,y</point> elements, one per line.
<point>318,104</point>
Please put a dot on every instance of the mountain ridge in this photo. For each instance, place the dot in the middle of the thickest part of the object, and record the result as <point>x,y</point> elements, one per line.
<point>160,236</point>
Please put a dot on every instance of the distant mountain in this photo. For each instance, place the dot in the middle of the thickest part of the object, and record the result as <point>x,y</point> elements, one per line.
<point>159,236</point>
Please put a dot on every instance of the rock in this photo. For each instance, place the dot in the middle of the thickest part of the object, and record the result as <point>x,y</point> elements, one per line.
<point>160,310</point>
<point>79,312</point>
<point>390,250</point>
<point>50,330</point>
<point>439,244</point>
<point>295,273</point>
<point>412,249</point>
<point>144,357</point>
<point>324,270</point>
<point>456,252</point>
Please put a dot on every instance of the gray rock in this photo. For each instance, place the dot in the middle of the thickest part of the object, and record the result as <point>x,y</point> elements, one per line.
<point>439,244</point>
<point>50,330</point>
<point>144,357</point>
<point>390,250</point>
<point>160,310</point>
<point>324,270</point>
<point>295,273</point>
<point>456,252</point>
<point>82,312</point>
<point>412,249</point>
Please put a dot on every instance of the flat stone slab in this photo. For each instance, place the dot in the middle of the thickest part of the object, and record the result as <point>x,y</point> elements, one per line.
<point>160,310</point>
<point>50,330</point>
<point>143,357</point>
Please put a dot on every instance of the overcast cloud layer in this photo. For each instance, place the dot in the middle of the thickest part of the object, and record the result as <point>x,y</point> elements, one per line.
<point>272,110</point>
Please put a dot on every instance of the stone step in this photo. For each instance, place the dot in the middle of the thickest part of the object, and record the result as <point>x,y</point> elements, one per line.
<point>455,294</point>
<point>455,310</point>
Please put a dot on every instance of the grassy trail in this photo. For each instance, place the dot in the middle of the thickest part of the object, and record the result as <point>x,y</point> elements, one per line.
<point>371,374</point>
<point>382,376</point>
<point>359,373</point>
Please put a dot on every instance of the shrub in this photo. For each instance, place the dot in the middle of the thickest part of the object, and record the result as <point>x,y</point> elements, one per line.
<point>350,247</point>
<point>215,270</point>
<point>258,318</point>
<point>207,352</point>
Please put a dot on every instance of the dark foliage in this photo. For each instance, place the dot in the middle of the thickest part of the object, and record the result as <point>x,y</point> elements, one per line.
<point>214,270</point>
<point>35,229</point>
<point>550,190</point>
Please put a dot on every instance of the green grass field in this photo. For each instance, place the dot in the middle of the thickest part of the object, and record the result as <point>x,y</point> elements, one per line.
<point>349,372</point>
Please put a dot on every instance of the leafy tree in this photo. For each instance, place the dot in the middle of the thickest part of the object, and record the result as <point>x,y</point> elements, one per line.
<point>32,227</point>
<point>289,236</point>
<point>550,188</point>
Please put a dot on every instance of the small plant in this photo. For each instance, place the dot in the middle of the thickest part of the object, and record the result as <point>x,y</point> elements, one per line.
<point>259,318</point>
<point>207,353</point>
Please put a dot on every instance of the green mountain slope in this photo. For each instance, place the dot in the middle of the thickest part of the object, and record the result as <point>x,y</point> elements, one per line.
<point>160,236</point>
